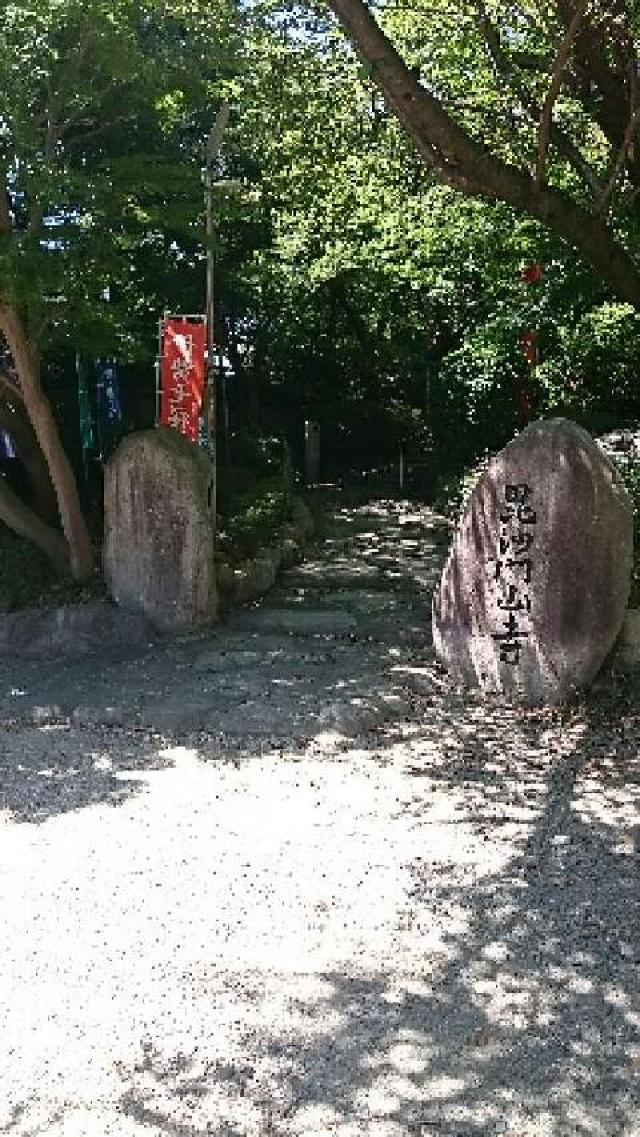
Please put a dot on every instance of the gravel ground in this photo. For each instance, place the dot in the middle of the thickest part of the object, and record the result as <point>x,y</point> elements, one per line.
<point>286,880</point>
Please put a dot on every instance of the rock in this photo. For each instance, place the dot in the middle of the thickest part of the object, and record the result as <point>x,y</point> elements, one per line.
<point>534,591</point>
<point>255,577</point>
<point>71,631</point>
<point>158,546</point>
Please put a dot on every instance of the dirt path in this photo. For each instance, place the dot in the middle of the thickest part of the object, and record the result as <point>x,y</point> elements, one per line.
<point>286,881</point>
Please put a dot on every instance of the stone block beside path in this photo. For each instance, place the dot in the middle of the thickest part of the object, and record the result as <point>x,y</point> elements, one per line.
<point>535,588</point>
<point>159,535</point>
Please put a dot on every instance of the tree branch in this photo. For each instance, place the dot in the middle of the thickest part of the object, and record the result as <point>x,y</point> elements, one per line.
<point>15,420</point>
<point>607,192</point>
<point>560,64</point>
<point>26,523</point>
<point>93,130</point>
<point>504,67</point>
<point>469,165</point>
<point>593,66</point>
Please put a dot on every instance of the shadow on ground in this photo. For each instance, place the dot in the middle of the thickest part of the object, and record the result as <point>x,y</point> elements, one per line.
<point>45,772</point>
<point>527,1023</point>
<point>526,1019</point>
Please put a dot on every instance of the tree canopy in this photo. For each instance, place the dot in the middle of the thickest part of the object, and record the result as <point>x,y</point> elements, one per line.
<point>534,105</point>
<point>395,180</point>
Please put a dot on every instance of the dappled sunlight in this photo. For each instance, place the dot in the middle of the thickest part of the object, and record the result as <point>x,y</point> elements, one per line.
<point>367,903</point>
<point>416,943</point>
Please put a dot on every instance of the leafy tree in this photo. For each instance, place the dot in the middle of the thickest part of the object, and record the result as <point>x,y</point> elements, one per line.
<point>103,108</point>
<point>535,106</point>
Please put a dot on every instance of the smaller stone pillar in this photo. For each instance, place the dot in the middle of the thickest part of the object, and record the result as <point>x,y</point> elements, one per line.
<point>311,452</point>
<point>159,529</point>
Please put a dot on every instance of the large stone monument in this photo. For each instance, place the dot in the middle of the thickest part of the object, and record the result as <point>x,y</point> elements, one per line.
<point>535,588</point>
<point>159,529</point>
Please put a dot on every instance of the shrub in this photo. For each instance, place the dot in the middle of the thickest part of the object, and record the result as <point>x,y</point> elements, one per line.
<point>252,518</point>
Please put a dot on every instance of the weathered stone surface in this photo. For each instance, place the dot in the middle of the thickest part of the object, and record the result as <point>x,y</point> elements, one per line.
<point>535,588</point>
<point>71,631</point>
<point>255,577</point>
<point>298,622</point>
<point>158,548</point>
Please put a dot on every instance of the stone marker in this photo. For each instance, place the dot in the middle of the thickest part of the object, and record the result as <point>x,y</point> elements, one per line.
<point>158,544</point>
<point>311,452</point>
<point>535,588</point>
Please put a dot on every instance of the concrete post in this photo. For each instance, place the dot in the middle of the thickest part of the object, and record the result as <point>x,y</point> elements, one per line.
<point>311,452</point>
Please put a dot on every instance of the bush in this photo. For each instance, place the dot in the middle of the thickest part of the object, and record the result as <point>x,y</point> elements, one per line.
<point>256,521</point>
<point>253,517</point>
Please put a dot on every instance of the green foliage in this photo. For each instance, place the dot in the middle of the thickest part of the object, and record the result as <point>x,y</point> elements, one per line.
<point>368,295</point>
<point>263,455</point>
<point>596,366</point>
<point>629,469</point>
<point>452,493</point>
<point>382,303</point>
<point>474,396</point>
<point>256,519</point>
<point>103,109</point>
<point>253,517</point>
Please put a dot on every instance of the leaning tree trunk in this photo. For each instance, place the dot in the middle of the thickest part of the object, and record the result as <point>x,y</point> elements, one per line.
<point>41,416</point>
<point>471,167</point>
<point>26,523</point>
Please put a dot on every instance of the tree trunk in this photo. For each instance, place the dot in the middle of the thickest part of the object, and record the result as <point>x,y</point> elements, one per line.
<point>38,408</point>
<point>471,167</point>
<point>26,523</point>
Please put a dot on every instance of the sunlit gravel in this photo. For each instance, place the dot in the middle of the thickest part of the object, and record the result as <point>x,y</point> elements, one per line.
<point>429,927</point>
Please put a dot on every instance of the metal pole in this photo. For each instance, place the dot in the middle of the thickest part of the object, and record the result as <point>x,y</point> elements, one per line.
<point>212,149</point>
<point>161,323</point>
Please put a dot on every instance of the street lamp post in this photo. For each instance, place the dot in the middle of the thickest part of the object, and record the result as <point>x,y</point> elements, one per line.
<point>212,150</point>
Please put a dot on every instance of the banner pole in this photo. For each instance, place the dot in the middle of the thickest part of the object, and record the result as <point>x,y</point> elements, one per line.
<point>158,359</point>
<point>211,152</point>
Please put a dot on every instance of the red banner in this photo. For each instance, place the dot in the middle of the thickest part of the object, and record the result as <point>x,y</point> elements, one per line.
<point>531,273</point>
<point>182,372</point>
<point>529,347</point>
